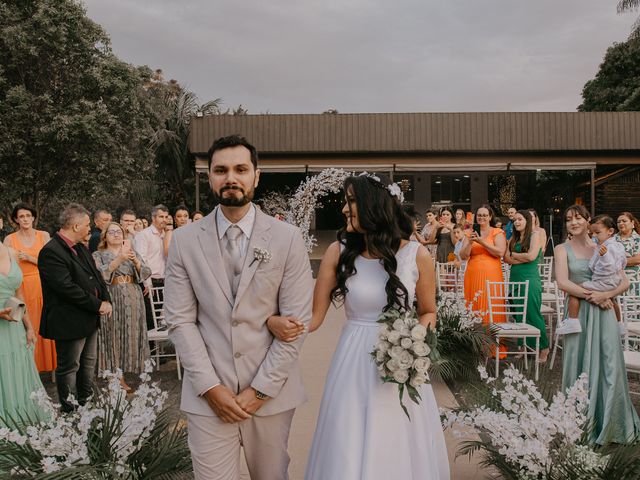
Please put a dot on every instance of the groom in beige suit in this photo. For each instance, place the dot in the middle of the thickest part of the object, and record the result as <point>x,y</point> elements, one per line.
<point>225,275</point>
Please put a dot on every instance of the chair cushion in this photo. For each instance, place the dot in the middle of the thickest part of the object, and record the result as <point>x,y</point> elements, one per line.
<point>632,361</point>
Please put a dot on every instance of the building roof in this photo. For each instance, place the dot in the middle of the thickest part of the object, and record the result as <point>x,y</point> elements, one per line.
<point>424,133</point>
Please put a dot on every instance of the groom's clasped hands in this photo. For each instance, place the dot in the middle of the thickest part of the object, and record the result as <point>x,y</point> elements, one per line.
<point>232,408</point>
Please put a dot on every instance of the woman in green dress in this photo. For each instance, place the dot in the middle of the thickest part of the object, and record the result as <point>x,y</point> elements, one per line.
<point>597,350</point>
<point>523,254</point>
<point>18,374</point>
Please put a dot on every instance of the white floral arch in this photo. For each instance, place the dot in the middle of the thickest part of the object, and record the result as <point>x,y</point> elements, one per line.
<point>303,203</point>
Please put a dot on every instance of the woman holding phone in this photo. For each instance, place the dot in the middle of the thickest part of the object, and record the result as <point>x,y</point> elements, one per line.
<point>483,247</point>
<point>122,339</point>
<point>442,236</point>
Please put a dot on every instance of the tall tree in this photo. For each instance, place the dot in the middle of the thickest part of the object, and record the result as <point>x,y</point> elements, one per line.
<point>175,171</point>
<point>76,120</point>
<point>616,86</point>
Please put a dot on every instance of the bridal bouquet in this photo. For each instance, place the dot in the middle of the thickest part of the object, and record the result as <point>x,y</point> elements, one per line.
<point>404,352</point>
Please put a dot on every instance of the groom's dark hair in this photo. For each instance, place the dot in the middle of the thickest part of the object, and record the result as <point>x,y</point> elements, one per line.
<point>233,141</point>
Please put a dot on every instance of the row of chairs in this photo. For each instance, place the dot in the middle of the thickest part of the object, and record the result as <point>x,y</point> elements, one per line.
<point>159,335</point>
<point>507,311</point>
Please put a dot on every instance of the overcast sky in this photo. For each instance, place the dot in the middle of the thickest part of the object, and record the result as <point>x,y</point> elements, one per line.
<point>306,56</point>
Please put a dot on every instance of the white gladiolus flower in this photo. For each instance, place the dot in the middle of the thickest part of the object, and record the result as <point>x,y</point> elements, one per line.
<point>406,343</point>
<point>401,376</point>
<point>419,332</point>
<point>421,349</point>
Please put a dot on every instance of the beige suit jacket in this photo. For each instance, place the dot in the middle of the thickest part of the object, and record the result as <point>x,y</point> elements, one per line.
<point>220,340</point>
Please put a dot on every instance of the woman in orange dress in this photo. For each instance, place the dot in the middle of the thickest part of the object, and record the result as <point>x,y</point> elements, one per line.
<point>28,242</point>
<point>483,253</point>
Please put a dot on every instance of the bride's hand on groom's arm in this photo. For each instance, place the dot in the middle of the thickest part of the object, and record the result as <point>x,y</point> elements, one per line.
<point>224,404</point>
<point>285,329</point>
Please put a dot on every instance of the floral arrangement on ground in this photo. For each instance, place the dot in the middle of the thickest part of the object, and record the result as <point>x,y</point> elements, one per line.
<point>113,436</point>
<point>463,342</point>
<point>526,434</point>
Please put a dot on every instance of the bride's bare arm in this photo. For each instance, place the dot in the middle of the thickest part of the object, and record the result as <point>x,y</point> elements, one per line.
<point>426,289</point>
<point>288,329</point>
<point>325,282</point>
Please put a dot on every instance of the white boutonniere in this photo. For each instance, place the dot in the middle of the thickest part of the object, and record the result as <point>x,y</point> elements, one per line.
<point>261,255</point>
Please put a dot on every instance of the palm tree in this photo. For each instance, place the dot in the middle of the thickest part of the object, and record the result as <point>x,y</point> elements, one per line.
<point>627,5</point>
<point>170,140</point>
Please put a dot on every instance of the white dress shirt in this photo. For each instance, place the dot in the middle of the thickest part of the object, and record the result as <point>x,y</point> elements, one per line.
<point>149,243</point>
<point>245,224</point>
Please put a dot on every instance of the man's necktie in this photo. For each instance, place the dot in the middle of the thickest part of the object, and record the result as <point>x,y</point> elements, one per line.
<point>234,257</point>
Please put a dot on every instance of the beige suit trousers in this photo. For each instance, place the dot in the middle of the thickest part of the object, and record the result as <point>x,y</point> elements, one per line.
<point>215,446</point>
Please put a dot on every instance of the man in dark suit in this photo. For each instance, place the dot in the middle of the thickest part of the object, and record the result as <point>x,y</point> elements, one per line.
<point>75,295</point>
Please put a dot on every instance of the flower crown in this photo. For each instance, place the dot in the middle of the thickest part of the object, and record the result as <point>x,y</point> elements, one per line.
<point>394,188</point>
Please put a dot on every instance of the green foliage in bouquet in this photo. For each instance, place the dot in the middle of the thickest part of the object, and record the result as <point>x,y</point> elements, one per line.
<point>463,342</point>
<point>112,437</point>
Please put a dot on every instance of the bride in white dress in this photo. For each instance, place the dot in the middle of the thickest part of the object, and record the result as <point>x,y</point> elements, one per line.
<point>362,432</point>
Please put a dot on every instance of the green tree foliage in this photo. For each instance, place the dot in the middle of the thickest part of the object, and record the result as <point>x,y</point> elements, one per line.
<point>76,121</point>
<point>616,86</point>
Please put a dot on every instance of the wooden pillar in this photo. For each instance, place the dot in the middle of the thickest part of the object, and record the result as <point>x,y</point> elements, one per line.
<point>593,192</point>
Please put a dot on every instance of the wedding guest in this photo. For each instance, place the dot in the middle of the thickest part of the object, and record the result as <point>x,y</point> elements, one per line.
<point>538,228</point>
<point>414,216</point>
<point>442,236</point>
<point>18,374</point>
<point>1,225</point>
<point>145,223</point>
<point>197,215</point>
<point>372,268</point>
<point>596,350</point>
<point>100,220</point>
<point>152,244</point>
<point>122,341</point>
<point>428,229</point>
<point>508,228</point>
<point>483,251</point>
<point>128,222</point>
<point>138,226</point>
<point>181,216</point>
<point>523,254</point>
<point>27,242</point>
<point>74,298</point>
<point>498,222</point>
<point>460,217</point>
<point>629,236</point>
<point>458,236</point>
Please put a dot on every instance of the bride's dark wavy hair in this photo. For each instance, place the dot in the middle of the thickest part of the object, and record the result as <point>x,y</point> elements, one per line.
<point>385,224</point>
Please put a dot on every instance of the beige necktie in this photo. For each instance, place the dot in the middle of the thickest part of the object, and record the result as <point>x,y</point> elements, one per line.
<point>234,257</point>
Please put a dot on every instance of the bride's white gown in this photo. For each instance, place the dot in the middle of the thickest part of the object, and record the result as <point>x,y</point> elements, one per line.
<point>362,432</point>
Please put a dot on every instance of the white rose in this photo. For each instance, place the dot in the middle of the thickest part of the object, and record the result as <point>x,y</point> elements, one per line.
<point>418,379</point>
<point>383,346</point>
<point>422,364</point>
<point>406,343</point>
<point>405,360</point>
<point>380,356</point>
<point>404,331</point>
<point>382,371</point>
<point>398,324</point>
<point>419,332</point>
<point>396,351</point>
<point>401,376</point>
<point>394,337</point>
<point>392,365</point>
<point>421,349</point>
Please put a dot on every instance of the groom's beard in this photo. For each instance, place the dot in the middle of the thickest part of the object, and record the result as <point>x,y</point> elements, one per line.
<point>233,201</point>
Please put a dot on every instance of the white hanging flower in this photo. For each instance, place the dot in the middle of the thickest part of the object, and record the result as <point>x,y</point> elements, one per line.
<point>396,191</point>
